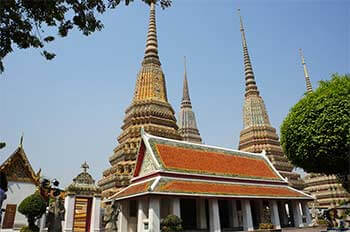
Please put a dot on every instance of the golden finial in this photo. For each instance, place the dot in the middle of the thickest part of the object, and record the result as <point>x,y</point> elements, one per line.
<point>85,166</point>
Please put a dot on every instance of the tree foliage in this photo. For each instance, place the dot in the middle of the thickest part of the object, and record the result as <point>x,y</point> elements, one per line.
<point>25,23</point>
<point>315,135</point>
<point>33,207</point>
<point>171,223</point>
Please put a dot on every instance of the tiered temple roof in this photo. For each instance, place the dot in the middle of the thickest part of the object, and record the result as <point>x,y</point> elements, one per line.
<point>149,109</point>
<point>187,120</point>
<point>258,134</point>
<point>219,172</point>
<point>18,168</point>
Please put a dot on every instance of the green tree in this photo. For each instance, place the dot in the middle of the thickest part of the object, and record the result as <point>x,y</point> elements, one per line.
<point>2,145</point>
<point>171,223</point>
<point>315,135</point>
<point>33,207</point>
<point>25,23</point>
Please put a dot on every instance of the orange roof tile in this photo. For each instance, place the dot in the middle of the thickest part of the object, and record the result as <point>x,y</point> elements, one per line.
<point>134,189</point>
<point>210,162</point>
<point>199,187</point>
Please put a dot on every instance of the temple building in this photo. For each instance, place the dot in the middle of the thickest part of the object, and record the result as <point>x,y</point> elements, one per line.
<point>326,190</point>
<point>258,134</point>
<point>210,188</point>
<point>149,109</point>
<point>22,182</point>
<point>187,120</point>
<point>82,203</point>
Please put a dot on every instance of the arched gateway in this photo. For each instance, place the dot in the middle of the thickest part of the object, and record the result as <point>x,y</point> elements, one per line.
<point>209,188</point>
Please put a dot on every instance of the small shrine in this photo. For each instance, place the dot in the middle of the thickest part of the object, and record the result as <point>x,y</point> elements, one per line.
<point>82,204</point>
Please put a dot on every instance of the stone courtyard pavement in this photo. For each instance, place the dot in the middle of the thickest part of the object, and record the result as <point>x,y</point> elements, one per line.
<point>313,229</point>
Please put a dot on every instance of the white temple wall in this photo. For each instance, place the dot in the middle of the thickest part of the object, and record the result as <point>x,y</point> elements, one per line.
<point>16,193</point>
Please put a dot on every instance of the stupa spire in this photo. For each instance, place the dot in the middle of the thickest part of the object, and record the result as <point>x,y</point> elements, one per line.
<point>306,73</point>
<point>151,51</point>
<point>149,109</point>
<point>187,120</point>
<point>258,134</point>
<point>250,84</point>
<point>185,92</point>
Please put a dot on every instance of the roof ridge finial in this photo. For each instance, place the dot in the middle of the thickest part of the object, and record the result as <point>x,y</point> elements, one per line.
<point>85,166</point>
<point>151,51</point>
<point>186,101</point>
<point>250,84</point>
<point>306,73</point>
<point>21,141</point>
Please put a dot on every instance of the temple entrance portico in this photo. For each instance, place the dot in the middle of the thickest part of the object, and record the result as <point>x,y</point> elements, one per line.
<point>208,214</point>
<point>207,189</point>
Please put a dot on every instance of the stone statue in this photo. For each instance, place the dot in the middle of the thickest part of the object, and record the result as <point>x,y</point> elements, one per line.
<point>111,217</point>
<point>55,215</point>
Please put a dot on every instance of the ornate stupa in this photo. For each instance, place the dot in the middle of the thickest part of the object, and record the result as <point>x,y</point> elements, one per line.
<point>187,120</point>
<point>258,134</point>
<point>327,190</point>
<point>149,109</point>
<point>306,73</point>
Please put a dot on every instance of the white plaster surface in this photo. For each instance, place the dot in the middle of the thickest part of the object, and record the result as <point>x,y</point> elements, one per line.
<point>153,214</point>
<point>247,216</point>
<point>214,218</point>
<point>201,215</point>
<point>16,193</point>
<point>69,215</point>
<point>175,207</point>
<point>274,214</point>
<point>141,214</point>
<point>298,221</point>
<point>95,215</point>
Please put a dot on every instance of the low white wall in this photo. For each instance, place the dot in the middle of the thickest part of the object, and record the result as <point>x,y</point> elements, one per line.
<point>17,191</point>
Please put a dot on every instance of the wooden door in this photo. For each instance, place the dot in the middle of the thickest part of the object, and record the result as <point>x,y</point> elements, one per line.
<point>10,215</point>
<point>82,214</point>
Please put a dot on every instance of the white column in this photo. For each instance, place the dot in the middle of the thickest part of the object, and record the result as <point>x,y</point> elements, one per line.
<point>275,218</point>
<point>153,214</point>
<point>95,214</point>
<point>175,207</point>
<point>233,215</point>
<point>306,212</point>
<point>201,215</point>
<point>247,216</point>
<point>260,210</point>
<point>123,216</point>
<point>284,216</point>
<point>298,221</point>
<point>141,214</point>
<point>214,217</point>
<point>69,215</point>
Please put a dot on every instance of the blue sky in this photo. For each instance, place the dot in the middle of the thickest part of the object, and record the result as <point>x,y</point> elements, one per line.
<point>71,108</point>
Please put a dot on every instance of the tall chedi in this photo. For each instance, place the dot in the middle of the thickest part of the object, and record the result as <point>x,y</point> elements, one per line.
<point>149,109</point>
<point>327,190</point>
<point>187,120</point>
<point>258,134</point>
<point>306,73</point>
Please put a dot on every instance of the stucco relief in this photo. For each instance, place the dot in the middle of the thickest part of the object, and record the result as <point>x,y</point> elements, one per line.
<point>147,164</point>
